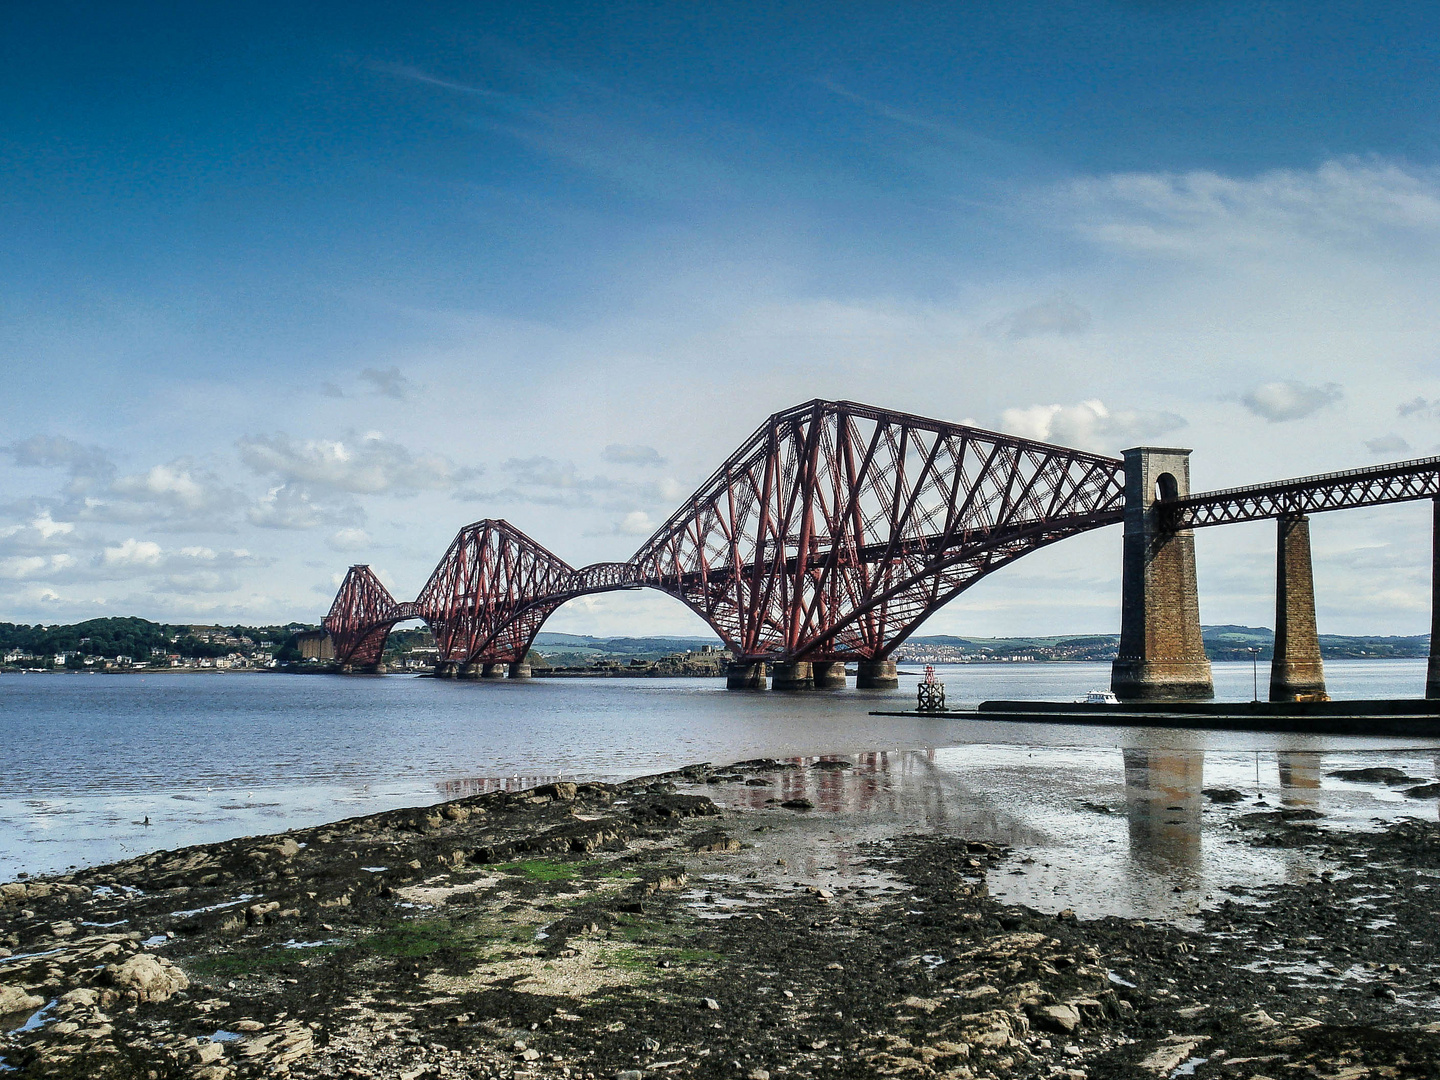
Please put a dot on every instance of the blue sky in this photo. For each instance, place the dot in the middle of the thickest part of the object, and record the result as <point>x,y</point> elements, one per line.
<point>287,287</point>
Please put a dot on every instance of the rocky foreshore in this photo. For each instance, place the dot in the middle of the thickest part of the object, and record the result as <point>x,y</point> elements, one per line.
<point>597,931</point>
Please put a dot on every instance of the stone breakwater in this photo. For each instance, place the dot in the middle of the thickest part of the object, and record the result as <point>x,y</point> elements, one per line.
<point>596,931</point>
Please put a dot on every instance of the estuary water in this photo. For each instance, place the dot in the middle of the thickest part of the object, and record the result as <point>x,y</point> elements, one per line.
<point>95,768</point>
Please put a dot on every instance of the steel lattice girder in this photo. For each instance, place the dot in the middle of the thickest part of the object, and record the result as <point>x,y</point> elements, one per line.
<point>481,600</point>
<point>361,617</point>
<point>832,533</point>
<point>837,528</point>
<point>1402,481</point>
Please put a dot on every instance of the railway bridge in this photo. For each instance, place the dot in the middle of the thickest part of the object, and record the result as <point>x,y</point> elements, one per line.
<point>837,528</point>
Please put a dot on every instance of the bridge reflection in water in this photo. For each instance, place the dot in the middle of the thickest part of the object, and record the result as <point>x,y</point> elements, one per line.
<point>1100,831</point>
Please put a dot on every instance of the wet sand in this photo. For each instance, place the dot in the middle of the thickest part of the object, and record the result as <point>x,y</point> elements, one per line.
<point>696,925</point>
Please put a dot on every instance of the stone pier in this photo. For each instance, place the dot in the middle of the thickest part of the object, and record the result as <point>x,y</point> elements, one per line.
<point>492,671</point>
<point>469,671</point>
<point>518,671</point>
<point>829,674</point>
<point>446,669</point>
<point>877,675</point>
<point>795,675</point>
<point>1432,675</point>
<point>1296,672</point>
<point>745,675</point>
<point>1161,655</point>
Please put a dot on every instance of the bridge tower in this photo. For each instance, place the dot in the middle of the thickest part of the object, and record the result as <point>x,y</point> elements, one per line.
<point>1161,656</point>
<point>1296,671</point>
<point>1432,673</point>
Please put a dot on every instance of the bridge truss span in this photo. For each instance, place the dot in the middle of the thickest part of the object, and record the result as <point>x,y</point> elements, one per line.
<point>830,534</point>
<point>837,527</point>
<point>1401,481</point>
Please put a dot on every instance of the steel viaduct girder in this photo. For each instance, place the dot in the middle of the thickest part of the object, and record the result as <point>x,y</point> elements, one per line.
<point>1401,481</point>
<point>831,533</point>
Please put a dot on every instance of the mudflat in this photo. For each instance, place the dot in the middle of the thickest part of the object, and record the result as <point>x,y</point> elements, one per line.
<point>637,930</point>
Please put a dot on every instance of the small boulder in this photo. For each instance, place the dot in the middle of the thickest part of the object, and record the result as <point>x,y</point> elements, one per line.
<point>714,841</point>
<point>1222,795</point>
<point>147,977</point>
<point>16,999</point>
<point>1062,1019</point>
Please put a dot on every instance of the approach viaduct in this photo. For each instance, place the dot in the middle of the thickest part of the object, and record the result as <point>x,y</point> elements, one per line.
<point>837,528</point>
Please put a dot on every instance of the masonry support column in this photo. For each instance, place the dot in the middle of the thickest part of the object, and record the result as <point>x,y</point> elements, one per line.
<point>446,669</point>
<point>829,674</point>
<point>877,675</point>
<point>1432,675</point>
<point>1161,655</point>
<point>469,670</point>
<point>1296,671</point>
<point>795,675</point>
<point>518,671</point>
<point>492,671</point>
<point>745,675</point>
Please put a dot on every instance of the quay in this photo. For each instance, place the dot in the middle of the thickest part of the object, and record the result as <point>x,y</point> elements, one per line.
<point>1408,716</point>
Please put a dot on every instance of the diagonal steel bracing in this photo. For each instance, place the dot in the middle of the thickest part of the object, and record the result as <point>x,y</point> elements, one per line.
<point>831,533</point>
<point>1402,481</point>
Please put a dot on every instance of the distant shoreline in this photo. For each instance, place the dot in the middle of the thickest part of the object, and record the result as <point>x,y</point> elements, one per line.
<point>622,673</point>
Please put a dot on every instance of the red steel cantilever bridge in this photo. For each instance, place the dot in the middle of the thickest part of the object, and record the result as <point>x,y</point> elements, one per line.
<point>832,533</point>
<point>836,529</point>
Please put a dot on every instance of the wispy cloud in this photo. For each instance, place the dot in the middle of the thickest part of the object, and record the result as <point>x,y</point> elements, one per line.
<point>1278,402</point>
<point>632,455</point>
<point>1058,315</point>
<point>1387,444</point>
<point>387,383</point>
<point>1344,202</point>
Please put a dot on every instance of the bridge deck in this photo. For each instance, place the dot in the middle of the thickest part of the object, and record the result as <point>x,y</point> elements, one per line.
<point>1402,481</point>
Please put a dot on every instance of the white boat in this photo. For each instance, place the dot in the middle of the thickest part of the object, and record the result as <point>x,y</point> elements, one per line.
<point>1101,697</point>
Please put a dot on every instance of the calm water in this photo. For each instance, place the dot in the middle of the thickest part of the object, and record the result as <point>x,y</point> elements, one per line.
<point>87,759</point>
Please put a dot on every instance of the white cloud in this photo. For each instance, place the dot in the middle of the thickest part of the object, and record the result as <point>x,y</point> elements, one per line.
<point>173,481</point>
<point>348,540</point>
<point>290,506</point>
<point>1289,400</point>
<point>635,523</point>
<point>368,465</point>
<point>42,528</point>
<point>133,552</point>
<point>178,495</point>
<point>1088,425</point>
<point>20,567</point>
